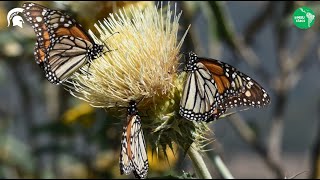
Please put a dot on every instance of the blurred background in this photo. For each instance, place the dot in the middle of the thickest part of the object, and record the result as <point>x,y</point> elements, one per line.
<point>47,133</point>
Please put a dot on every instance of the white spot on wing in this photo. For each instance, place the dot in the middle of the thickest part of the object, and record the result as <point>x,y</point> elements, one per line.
<point>233,84</point>
<point>248,93</point>
<point>39,19</point>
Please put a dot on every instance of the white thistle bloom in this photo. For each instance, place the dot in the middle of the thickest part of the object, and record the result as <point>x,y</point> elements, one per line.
<point>142,65</point>
<point>142,62</point>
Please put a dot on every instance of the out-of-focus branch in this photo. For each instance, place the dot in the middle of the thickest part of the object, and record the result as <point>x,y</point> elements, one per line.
<point>248,135</point>
<point>26,103</point>
<point>257,23</point>
<point>219,165</point>
<point>19,172</point>
<point>214,43</point>
<point>289,69</point>
<point>286,78</point>
<point>236,42</point>
<point>280,100</point>
<point>284,84</point>
<point>198,163</point>
<point>190,9</point>
<point>315,156</point>
<point>276,130</point>
<point>298,57</point>
<point>188,13</point>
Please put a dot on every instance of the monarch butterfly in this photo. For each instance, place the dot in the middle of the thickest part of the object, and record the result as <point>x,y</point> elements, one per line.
<point>133,154</point>
<point>213,86</point>
<point>62,46</point>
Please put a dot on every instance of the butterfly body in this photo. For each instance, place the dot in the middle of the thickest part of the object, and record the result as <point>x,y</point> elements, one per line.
<point>62,46</point>
<point>133,155</point>
<point>213,86</point>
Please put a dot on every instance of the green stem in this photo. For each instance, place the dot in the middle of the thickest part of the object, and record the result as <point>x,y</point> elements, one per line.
<point>198,163</point>
<point>219,164</point>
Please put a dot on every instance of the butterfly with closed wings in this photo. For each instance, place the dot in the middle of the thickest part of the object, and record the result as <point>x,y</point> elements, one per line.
<point>133,153</point>
<point>62,46</point>
<point>213,86</point>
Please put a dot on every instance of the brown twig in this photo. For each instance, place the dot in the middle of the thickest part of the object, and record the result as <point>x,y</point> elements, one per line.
<point>289,69</point>
<point>236,42</point>
<point>217,162</point>
<point>26,104</point>
<point>272,152</point>
<point>257,23</point>
<point>186,20</point>
<point>315,156</point>
<point>248,135</point>
<point>298,57</point>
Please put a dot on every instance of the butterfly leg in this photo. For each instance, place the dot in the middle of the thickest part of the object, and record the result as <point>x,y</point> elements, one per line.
<point>109,50</point>
<point>86,71</point>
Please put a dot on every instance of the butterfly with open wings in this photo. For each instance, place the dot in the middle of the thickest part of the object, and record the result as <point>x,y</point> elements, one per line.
<point>62,46</point>
<point>213,86</point>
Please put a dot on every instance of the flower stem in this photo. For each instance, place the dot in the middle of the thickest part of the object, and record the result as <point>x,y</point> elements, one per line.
<point>198,163</point>
<point>219,164</point>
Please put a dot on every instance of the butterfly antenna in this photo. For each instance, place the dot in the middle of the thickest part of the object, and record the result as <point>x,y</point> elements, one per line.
<point>140,99</point>
<point>117,106</point>
<point>112,35</point>
<point>109,50</point>
<point>184,53</point>
<point>88,73</point>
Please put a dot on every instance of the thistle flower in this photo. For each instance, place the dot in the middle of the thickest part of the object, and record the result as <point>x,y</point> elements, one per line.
<point>142,65</point>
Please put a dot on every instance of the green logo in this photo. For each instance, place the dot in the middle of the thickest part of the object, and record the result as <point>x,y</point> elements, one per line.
<point>303,18</point>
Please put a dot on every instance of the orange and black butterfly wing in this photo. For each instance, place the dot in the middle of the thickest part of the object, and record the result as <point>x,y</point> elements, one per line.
<point>62,45</point>
<point>133,153</point>
<point>71,46</point>
<point>52,23</point>
<point>126,165</point>
<point>230,82</point>
<point>213,86</point>
<point>234,87</point>
<point>67,54</point>
<point>216,114</point>
<point>61,24</point>
<point>252,95</point>
<point>35,14</point>
<point>39,54</point>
